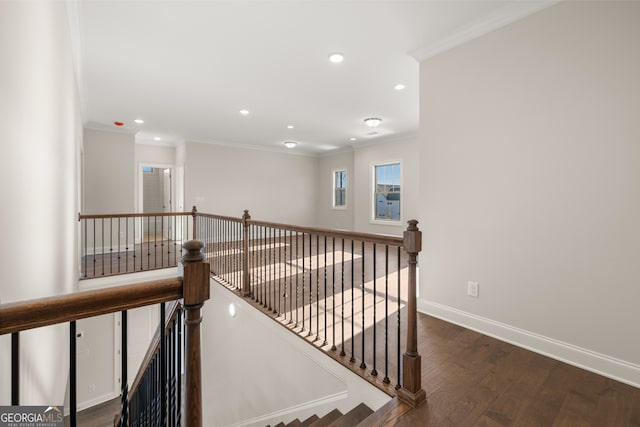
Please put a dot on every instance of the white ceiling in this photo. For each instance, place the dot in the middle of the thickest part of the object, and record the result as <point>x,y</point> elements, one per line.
<point>188,67</point>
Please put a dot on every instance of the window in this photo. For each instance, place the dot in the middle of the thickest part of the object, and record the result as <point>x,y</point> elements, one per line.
<point>386,192</point>
<point>340,189</point>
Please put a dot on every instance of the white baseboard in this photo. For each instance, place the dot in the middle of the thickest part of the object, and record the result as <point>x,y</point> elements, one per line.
<point>287,412</point>
<point>602,364</point>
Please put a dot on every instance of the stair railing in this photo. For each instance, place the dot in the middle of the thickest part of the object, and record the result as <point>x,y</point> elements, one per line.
<point>350,294</point>
<point>192,288</point>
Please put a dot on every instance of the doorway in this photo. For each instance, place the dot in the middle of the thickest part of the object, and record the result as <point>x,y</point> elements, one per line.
<point>156,196</point>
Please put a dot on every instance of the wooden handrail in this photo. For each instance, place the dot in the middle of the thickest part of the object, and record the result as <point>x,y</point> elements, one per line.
<point>132,215</point>
<point>220,217</point>
<point>19,316</point>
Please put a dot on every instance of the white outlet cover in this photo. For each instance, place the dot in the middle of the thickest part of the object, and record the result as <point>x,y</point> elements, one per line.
<point>473,289</point>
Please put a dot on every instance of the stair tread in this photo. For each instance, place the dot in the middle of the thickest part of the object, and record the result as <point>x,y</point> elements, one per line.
<point>327,419</point>
<point>295,423</point>
<point>313,418</point>
<point>353,417</point>
<point>280,424</point>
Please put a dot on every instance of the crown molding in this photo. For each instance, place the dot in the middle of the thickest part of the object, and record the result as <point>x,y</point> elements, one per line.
<point>502,17</point>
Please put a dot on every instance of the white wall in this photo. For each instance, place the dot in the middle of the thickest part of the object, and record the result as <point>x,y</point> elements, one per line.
<point>405,151</point>
<point>530,164</point>
<point>273,186</point>
<point>109,165</point>
<point>327,215</point>
<point>296,381</point>
<point>41,136</point>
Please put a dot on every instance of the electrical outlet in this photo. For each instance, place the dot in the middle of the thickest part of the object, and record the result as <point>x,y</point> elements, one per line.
<point>473,289</point>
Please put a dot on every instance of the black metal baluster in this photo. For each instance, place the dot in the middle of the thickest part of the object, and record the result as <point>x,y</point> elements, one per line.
<point>374,371</point>
<point>124,385</point>
<point>333,292</point>
<point>163,367</point>
<point>119,243</point>
<point>290,277</point>
<point>102,241</point>
<point>398,385</point>
<point>280,271</point>
<point>363,365</point>
<point>110,245</point>
<point>297,277</point>
<point>94,247</point>
<point>180,344</point>
<point>73,383</point>
<point>162,241</point>
<point>310,285</point>
<point>353,303</point>
<point>303,274</point>
<point>324,297</point>
<point>15,368</point>
<point>148,238</point>
<point>386,315</point>
<point>85,248</point>
<point>126,245</point>
<point>342,352</point>
<point>317,288</point>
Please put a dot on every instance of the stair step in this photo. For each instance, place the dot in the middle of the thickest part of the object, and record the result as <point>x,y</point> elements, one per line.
<point>327,419</point>
<point>353,417</point>
<point>313,418</point>
<point>295,423</point>
<point>281,424</point>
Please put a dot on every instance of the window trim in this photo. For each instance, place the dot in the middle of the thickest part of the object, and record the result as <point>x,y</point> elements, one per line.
<point>372,196</point>
<point>333,189</point>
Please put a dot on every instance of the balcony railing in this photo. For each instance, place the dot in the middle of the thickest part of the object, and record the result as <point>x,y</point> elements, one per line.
<point>351,294</point>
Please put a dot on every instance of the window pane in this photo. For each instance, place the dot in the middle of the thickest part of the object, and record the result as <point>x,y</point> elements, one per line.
<point>339,188</point>
<point>387,192</point>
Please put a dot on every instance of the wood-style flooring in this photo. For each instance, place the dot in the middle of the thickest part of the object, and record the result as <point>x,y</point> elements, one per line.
<point>475,380</point>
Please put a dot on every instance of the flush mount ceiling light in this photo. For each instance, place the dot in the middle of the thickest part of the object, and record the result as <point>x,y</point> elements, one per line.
<point>352,139</point>
<point>290,127</point>
<point>290,144</point>
<point>336,57</point>
<point>372,122</point>
<point>157,138</point>
<point>139,121</point>
<point>399,86</point>
<point>244,112</point>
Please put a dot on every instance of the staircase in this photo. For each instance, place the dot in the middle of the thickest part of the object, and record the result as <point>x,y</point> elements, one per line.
<point>334,418</point>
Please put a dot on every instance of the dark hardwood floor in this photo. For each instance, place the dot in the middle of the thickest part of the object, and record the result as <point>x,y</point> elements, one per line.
<point>475,380</point>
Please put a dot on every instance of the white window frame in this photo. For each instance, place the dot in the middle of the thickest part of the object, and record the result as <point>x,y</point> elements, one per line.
<point>373,193</point>
<point>334,188</point>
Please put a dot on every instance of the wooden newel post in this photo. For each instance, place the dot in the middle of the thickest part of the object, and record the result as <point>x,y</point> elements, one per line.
<point>246,278</point>
<point>411,391</point>
<point>194,213</point>
<point>195,293</point>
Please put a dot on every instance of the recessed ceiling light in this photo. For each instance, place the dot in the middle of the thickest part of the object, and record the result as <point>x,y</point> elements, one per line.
<point>290,144</point>
<point>399,86</point>
<point>244,112</point>
<point>139,121</point>
<point>336,57</point>
<point>232,310</point>
<point>156,138</point>
<point>352,139</point>
<point>290,127</point>
<point>372,121</point>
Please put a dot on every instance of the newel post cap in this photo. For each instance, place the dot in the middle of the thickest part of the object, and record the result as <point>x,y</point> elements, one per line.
<point>246,216</point>
<point>194,251</point>
<point>412,237</point>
